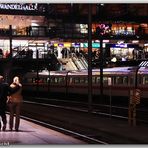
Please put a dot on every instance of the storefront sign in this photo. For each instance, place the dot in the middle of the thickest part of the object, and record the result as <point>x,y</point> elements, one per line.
<point>18,6</point>
<point>55,44</point>
<point>67,44</point>
<point>94,45</point>
<point>60,45</point>
<point>121,45</point>
<point>77,45</point>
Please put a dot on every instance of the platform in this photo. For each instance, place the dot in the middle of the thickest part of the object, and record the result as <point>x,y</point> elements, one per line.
<point>33,134</point>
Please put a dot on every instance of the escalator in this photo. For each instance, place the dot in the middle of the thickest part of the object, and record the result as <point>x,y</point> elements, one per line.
<point>80,62</point>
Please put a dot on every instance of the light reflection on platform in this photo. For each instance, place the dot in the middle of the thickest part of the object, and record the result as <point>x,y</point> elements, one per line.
<point>33,134</point>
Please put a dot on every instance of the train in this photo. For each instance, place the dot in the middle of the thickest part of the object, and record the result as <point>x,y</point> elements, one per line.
<point>117,81</point>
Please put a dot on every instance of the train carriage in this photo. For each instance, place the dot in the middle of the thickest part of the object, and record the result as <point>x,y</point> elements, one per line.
<point>76,82</point>
<point>142,79</point>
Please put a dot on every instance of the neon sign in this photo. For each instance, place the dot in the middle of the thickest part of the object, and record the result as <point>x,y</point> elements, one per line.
<point>18,6</point>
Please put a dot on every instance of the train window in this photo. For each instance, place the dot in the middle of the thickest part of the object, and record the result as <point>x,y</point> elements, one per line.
<point>61,80</point>
<point>145,80</point>
<point>93,80</point>
<point>48,80</point>
<point>121,80</point>
<point>105,80</point>
<point>86,80</point>
<point>70,80</point>
<point>55,80</point>
<point>76,80</point>
<point>125,80</point>
<point>97,80</point>
<point>83,80</point>
<point>51,79</point>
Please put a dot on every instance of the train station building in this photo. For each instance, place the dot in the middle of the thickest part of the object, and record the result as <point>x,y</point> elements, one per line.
<point>36,31</point>
<point>79,58</point>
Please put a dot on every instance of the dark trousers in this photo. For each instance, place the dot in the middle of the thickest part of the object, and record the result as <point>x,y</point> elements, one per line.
<point>3,117</point>
<point>14,108</point>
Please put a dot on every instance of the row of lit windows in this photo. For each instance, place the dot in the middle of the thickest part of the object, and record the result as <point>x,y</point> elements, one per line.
<point>116,80</point>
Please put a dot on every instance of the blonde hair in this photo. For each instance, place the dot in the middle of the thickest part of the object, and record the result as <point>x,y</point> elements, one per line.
<point>16,79</point>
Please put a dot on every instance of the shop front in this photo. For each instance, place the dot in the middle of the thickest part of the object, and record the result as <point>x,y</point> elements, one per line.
<point>122,52</point>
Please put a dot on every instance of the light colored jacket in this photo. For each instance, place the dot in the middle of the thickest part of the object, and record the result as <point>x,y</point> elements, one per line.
<point>17,96</point>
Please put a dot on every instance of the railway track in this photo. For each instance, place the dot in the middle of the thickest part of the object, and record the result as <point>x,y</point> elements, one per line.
<point>110,110</point>
<point>68,117</point>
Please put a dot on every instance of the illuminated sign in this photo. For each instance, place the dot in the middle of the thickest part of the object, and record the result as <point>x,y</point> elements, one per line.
<point>67,44</point>
<point>55,45</point>
<point>60,45</point>
<point>18,6</point>
<point>75,45</point>
<point>121,45</point>
<point>94,45</point>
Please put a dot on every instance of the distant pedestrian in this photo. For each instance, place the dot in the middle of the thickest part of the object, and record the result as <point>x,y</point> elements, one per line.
<point>15,104</point>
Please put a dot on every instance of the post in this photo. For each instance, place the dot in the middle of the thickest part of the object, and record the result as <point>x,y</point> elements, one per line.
<point>10,37</point>
<point>37,86</point>
<point>134,100</point>
<point>110,95</point>
<point>66,94</point>
<point>89,58</point>
<point>101,68</point>
<point>130,109</point>
<point>49,80</point>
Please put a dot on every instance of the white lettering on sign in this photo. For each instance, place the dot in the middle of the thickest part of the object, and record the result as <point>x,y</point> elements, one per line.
<point>121,45</point>
<point>19,6</point>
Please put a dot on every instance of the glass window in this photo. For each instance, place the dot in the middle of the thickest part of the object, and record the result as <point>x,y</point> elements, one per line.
<point>145,80</point>
<point>119,80</point>
<point>85,80</point>
<point>94,80</point>
<point>54,80</point>
<point>97,80</point>
<point>125,80</point>
<point>105,80</point>
<point>82,80</point>
<point>61,80</point>
<point>76,80</point>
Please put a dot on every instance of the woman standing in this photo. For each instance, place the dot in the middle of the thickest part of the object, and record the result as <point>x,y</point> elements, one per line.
<point>16,100</point>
